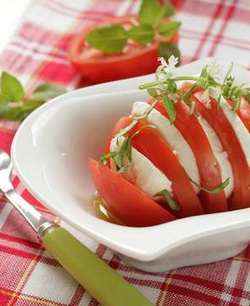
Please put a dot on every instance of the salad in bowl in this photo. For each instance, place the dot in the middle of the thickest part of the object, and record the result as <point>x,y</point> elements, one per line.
<point>169,163</point>
<point>182,152</point>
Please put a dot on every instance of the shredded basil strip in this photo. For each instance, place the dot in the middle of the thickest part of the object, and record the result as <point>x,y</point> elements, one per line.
<point>105,157</point>
<point>169,200</point>
<point>170,108</point>
<point>214,190</point>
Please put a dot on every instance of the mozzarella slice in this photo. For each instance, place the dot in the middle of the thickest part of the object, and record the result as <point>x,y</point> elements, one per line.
<point>174,138</point>
<point>148,177</point>
<point>221,156</point>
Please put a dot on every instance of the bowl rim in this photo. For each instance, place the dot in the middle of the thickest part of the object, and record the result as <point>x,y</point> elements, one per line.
<point>240,219</point>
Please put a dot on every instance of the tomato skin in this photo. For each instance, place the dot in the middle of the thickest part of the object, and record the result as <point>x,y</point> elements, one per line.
<point>243,112</point>
<point>126,201</point>
<point>216,118</point>
<point>208,166</point>
<point>139,60</point>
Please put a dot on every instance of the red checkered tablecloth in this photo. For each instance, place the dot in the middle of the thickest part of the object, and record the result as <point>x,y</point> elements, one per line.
<point>37,52</point>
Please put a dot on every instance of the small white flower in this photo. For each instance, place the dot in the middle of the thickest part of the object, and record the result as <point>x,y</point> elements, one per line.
<point>167,68</point>
<point>162,61</point>
<point>172,62</point>
<point>170,65</point>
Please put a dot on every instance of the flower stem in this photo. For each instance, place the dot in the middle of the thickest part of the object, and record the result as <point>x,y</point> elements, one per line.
<point>155,83</point>
<point>150,84</point>
<point>185,78</point>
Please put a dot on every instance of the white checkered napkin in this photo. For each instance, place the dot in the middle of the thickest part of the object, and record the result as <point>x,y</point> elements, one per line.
<point>216,28</point>
<point>59,284</point>
<point>38,52</point>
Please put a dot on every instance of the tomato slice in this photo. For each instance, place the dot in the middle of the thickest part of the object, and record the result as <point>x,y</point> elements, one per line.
<point>216,118</point>
<point>135,60</point>
<point>243,112</point>
<point>150,143</point>
<point>126,201</point>
<point>208,166</point>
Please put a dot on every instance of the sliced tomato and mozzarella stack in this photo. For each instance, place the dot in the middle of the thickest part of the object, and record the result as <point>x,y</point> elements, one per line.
<point>183,153</point>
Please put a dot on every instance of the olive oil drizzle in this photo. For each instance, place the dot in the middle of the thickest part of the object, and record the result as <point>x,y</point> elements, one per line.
<point>101,211</point>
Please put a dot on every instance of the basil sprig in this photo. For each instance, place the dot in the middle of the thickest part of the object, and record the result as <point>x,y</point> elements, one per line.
<point>165,88</point>
<point>14,105</point>
<point>112,39</point>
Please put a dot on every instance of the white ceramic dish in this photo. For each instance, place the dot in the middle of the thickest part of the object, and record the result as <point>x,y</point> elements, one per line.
<point>50,153</point>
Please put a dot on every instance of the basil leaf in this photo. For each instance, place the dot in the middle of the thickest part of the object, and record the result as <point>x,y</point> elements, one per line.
<point>31,105</point>
<point>3,99</point>
<point>11,88</point>
<point>169,29</point>
<point>151,12</point>
<point>142,34</point>
<point>10,113</point>
<point>47,91</point>
<point>108,39</point>
<point>170,108</point>
<point>169,9</point>
<point>4,107</point>
<point>167,49</point>
<point>18,112</point>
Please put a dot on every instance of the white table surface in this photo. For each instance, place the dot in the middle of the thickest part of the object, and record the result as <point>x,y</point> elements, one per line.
<point>10,14</point>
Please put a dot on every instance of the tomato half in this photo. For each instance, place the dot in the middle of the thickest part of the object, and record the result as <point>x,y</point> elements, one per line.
<point>135,60</point>
<point>243,112</point>
<point>218,121</point>
<point>208,166</point>
<point>126,201</point>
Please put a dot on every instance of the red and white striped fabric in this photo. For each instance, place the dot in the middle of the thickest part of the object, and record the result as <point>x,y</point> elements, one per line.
<point>38,52</point>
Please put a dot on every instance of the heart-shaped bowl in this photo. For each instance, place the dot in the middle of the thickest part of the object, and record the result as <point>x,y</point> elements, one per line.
<point>50,154</point>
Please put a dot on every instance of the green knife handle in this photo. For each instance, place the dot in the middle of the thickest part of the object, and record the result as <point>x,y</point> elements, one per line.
<point>101,281</point>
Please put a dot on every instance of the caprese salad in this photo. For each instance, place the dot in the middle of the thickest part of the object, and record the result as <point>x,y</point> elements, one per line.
<point>184,152</point>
